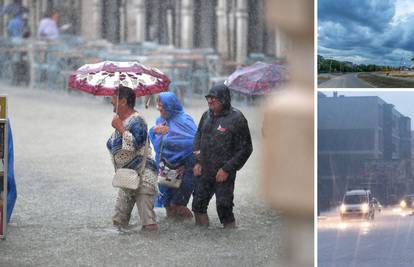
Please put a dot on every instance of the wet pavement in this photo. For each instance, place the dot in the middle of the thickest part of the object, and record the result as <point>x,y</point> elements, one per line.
<point>384,241</point>
<point>349,80</point>
<point>65,199</point>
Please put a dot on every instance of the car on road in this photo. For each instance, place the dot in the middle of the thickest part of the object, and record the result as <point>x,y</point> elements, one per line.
<point>357,204</point>
<point>407,202</point>
<point>377,204</point>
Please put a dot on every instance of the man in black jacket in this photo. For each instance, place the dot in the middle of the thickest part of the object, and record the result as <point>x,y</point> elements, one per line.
<point>222,146</point>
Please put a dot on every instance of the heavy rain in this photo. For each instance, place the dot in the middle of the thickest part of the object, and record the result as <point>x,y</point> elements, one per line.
<point>63,170</point>
<point>65,198</point>
<point>365,186</point>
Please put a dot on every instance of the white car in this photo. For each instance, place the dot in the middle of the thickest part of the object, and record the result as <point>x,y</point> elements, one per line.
<point>357,204</point>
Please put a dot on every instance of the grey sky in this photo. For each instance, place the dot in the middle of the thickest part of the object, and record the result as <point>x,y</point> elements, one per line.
<point>367,31</point>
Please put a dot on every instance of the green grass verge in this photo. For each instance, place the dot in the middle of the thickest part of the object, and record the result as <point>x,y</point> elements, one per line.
<point>385,82</point>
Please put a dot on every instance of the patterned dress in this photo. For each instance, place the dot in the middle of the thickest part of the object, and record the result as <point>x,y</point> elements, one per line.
<point>127,151</point>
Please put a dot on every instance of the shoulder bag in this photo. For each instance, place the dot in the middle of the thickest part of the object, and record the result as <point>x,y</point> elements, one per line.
<point>129,178</point>
<point>169,175</point>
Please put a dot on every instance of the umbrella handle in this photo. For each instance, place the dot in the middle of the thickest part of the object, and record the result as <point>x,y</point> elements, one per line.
<point>147,103</point>
<point>117,102</point>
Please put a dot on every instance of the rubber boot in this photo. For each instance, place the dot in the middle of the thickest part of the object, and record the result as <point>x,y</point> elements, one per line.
<point>201,219</point>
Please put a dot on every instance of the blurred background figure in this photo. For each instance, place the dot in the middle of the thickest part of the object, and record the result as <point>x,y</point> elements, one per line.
<point>48,26</point>
<point>17,25</point>
<point>288,129</point>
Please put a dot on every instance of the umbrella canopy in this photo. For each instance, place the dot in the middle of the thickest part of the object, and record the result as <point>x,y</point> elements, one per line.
<point>104,77</point>
<point>257,79</point>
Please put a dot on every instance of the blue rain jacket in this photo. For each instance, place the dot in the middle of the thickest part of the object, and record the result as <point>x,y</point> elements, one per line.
<point>178,142</point>
<point>177,146</point>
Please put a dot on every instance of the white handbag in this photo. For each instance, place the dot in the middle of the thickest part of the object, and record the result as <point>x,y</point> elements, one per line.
<point>130,178</point>
<point>126,178</point>
<point>168,175</point>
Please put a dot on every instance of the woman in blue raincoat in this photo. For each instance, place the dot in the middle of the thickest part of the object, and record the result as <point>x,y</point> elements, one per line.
<point>176,130</point>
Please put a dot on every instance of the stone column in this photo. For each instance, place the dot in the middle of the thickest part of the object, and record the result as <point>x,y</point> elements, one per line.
<point>242,24</point>
<point>222,34</point>
<point>187,23</point>
<point>206,35</point>
<point>231,30</point>
<point>92,19</point>
<point>122,22</point>
<point>43,7</point>
<point>136,21</point>
<point>39,13</point>
<point>256,33</point>
<point>5,18</point>
<point>33,20</point>
<point>283,44</point>
<point>170,27</point>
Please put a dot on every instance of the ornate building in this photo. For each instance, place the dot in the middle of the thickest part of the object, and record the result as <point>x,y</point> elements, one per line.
<point>234,28</point>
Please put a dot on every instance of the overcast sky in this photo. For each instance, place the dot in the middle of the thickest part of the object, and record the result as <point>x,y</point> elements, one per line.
<point>367,31</point>
<point>403,101</point>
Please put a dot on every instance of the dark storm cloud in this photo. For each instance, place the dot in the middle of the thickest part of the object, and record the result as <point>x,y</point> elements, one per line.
<point>374,14</point>
<point>364,32</point>
<point>401,36</point>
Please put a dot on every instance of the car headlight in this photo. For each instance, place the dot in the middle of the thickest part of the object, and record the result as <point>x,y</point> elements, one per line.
<point>365,208</point>
<point>342,208</point>
<point>403,204</point>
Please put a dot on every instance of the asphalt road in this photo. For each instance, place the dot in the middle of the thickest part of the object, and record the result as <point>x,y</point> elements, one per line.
<point>345,81</point>
<point>65,198</point>
<point>384,241</point>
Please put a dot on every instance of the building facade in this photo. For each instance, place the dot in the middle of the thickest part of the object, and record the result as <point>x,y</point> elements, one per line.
<point>233,28</point>
<point>363,142</point>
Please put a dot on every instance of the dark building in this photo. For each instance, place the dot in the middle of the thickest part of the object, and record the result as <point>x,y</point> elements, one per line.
<point>363,142</point>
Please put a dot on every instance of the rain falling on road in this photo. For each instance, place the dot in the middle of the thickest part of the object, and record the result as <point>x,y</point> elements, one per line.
<point>65,198</point>
<point>384,241</point>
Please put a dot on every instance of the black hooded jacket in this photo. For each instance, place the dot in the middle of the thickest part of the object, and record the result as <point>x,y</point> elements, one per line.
<point>223,140</point>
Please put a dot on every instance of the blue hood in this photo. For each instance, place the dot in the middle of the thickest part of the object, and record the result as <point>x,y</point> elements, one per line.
<point>171,104</point>
<point>178,142</point>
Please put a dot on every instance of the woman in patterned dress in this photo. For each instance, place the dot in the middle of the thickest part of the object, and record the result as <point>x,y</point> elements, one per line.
<point>128,146</point>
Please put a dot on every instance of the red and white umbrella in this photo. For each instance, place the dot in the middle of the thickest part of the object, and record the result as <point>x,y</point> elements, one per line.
<point>104,78</point>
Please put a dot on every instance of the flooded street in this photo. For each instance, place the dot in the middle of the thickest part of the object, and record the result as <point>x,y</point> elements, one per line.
<point>65,199</point>
<point>384,241</point>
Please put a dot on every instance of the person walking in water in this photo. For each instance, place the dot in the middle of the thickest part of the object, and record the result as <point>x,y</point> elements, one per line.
<point>222,146</point>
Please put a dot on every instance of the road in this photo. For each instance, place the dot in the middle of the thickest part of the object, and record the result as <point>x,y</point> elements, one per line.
<point>345,81</point>
<point>65,198</point>
<point>385,241</point>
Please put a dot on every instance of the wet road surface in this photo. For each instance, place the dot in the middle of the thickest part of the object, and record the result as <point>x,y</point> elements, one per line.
<point>385,241</point>
<point>65,199</point>
<point>345,81</point>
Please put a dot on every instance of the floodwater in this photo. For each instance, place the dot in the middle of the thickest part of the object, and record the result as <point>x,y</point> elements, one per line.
<point>65,199</point>
<point>384,241</point>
